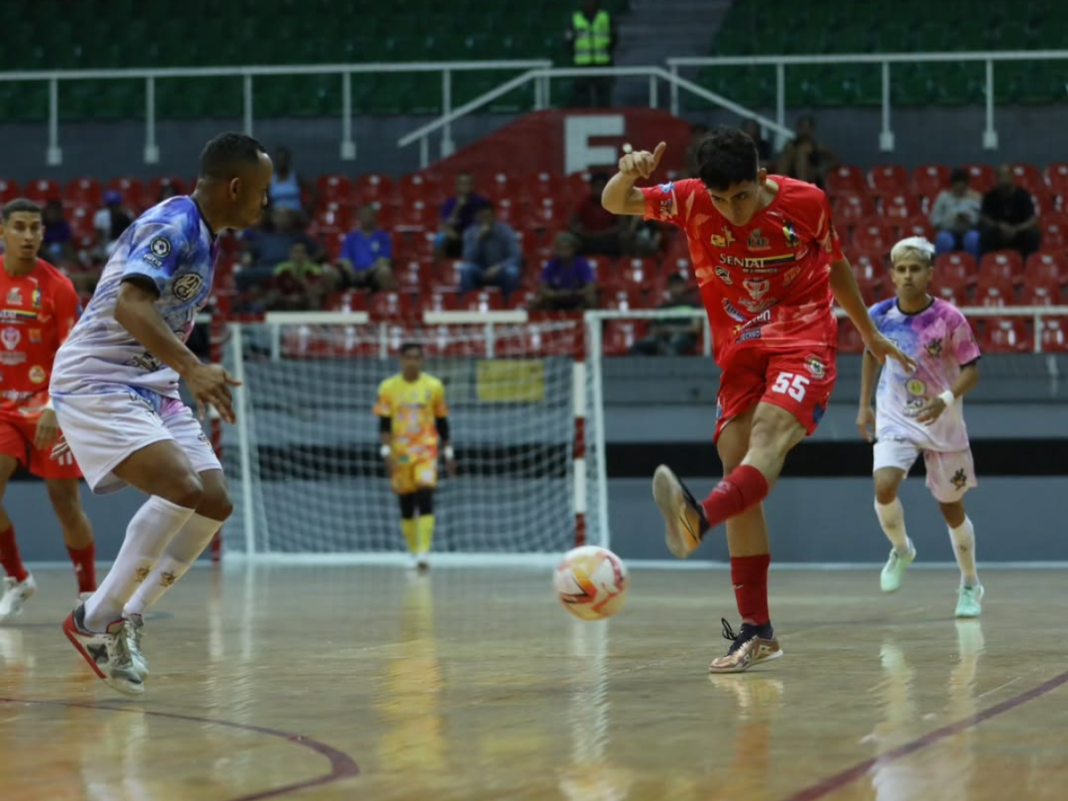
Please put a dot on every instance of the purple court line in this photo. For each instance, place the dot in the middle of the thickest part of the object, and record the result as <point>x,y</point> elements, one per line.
<point>849,775</point>
<point>342,765</point>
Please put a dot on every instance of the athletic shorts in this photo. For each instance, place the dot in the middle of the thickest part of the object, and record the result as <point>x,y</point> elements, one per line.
<point>103,430</point>
<point>799,381</point>
<point>949,475</point>
<point>16,440</point>
<point>415,475</point>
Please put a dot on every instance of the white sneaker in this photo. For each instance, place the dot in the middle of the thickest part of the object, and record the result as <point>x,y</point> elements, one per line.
<point>134,626</point>
<point>105,652</point>
<point>16,593</point>
<point>894,569</point>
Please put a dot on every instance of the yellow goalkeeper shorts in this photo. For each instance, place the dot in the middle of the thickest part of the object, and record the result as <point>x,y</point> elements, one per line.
<point>415,475</point>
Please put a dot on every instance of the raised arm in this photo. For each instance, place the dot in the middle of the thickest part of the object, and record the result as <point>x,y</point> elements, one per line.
<point>620,195</point>
<point>847,294</point>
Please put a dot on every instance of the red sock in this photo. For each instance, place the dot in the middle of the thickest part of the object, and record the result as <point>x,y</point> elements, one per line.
<point>750,577</point>
<point>84,561</point>
<point>9,555</point>
<point>743,488</point>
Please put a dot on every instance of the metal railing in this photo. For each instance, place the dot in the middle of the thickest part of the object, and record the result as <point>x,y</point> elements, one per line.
<point>542,76</point>
<point>886,135</point>
<point>247,75</point>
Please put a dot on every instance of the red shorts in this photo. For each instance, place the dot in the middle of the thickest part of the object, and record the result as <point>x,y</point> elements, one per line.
<point>16,440</point>
<point>799,381</point>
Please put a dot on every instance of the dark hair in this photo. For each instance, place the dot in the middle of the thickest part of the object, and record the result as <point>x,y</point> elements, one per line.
<point>17,205</point>
<point>727,156</point>
<point>222,156</point>
<point>407,346</point>
<point>959,175</point>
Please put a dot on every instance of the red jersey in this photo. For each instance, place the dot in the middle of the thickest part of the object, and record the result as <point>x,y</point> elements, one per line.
<point>37,312</point>
<point>765,284</point>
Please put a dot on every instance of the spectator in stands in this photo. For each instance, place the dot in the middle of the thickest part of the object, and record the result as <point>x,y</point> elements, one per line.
<point>491,253</point>
<point>567,282</point>
<point>592,40</point>
<point>697,134</point>
<point>367,253</point>
<point>644,238</point>
<point>955,216</point>
<point>58,243</point>
<point>457,214</point>
<point>271,244</point>
<point>111,221</point>
<point>752,127</point>
<point>599,232</point>
<point>1008,219</point>
<point>287,188</point>
<point>672,336</point>
<point>298,284</point>
<point>805,158</point>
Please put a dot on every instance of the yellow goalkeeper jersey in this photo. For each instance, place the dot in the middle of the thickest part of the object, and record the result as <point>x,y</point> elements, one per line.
<point>413,406</point>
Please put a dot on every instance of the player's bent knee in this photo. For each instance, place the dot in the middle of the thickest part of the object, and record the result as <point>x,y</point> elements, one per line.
<point>216,506</point>
<point>184,490</point>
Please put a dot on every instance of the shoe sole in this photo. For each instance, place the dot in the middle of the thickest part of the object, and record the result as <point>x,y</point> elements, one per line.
<point>678,534</point>
<point>123,687</point>
<point>743,668</point>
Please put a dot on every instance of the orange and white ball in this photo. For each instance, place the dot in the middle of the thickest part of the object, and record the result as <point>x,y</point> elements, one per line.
<point>591,582</point>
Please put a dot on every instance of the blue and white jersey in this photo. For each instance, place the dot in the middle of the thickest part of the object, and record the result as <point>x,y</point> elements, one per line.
<point>170,245</point>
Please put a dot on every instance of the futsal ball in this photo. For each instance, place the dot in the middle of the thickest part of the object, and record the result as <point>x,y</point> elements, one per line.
<point>591,582</point>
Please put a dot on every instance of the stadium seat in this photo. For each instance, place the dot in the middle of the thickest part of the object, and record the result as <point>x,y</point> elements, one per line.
<point>1029,177</point>
<point>994,292</point>
<point>957,264</point>
<point>1053,233</point>
<point>484,300</point>
<point>350,300</point>
<point>438,301</point>
<point>417,216</point>
<point>1005,265</point>
<point>42,190</point>
<point>1041,294</point>
<point>983,177</point>
<point>899,207</point>
<point>888,179</point>
<point>867,266</point>
<point>917,225</point>
<point>622,299</point>
<point>955,294</point>
<point>9,190</point>
<point>522,299</point>
<point>332,241</point>
<point>873,237</point>
<point>131,189</point>
<point>332,215</point>
<point>84,190</point>
<point>849,339</point>
<point>1057,178</point>
<point>871,289</point>
<point>852,208</point>
<point>334,188</point>
<point>930,179</point>
<point>370,187</point>
<point>845,179</point>
<point>1044,266</point>
<point>1054,336</point>
<point>389,306</point>
<point>1006,335</point>
<point>422,187</point>
<point>620,335</point>
<point>448,278</point>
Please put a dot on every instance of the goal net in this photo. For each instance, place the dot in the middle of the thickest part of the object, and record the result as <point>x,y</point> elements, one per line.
<point>303,460</point>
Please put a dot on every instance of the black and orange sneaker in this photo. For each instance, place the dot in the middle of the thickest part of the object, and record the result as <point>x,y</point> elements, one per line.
<point>684,518</point>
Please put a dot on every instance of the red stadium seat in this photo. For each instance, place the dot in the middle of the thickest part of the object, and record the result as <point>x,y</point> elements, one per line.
<point>448,279</point>
<point>1029,177</point>
<point>484,300</point>
<point>420,186</point>
<point>845,179</point>
<point>1045,266</point>
<point>522,299</point>
<point>1057,179</point>
<point>1005,265</point>
<point>957,264</point>
<point>351,300</point>
<point>872,289</point>
<point>955,293</point>
<point>508,210</point>
<point>132,191</point>
<point>888,179</point>
<point>1041,294</point>
<point>155,187</point>
<point>42,190</point>
<point>640,273</point>
<point>334,188</point>
<point>953,283</point>
<point>9,190</point>
<point>852,207</point>
<point>1054,232</point>
<point>899,207</point>
<point>85,190</point>
<point>620,335</point>
<point>873,237</point>
<point>917,225</point>
<point>867,266</point>
<point>389,306</point>
<point>548,213</point>
<point>81,220</point>
<point>622,299</point>
<point>994,293</point>
<point>1045,201</point>
<point>983,177</point>
<point>417,216</point>
<point>930,179</point>
<point>438,301</point>
<point>332,240</point>
<point>1054,335</point>
<point>372,186</point>
<point>332,215</point>
<point>413,275</point>
<point>1006,335</point>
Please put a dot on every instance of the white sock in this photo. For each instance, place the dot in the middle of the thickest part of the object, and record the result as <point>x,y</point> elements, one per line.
<point>892,519</point>
<point>182,551</point>
<point>147,535</point>
<point>963,537</point>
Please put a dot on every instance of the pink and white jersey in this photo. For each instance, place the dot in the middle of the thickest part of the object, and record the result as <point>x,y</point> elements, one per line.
<point>941,341</point>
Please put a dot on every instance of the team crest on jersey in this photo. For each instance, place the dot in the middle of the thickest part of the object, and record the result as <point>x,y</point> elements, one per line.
<point>934,347</point>
<point>10,337</point>
<point>723,241</point>
<point>34,334</point>
<point>35,298</point>
<point>723,275</point>
<point>756,287</point>
<point>757,241</point>
<point>916,387</point>
<point>38,374</point>
<point>14,296</point>
<point>790,235</point>
<point>815,366</point>
<point>187,287</point>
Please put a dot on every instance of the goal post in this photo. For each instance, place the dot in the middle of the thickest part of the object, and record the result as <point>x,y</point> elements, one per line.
<point>303,463</point>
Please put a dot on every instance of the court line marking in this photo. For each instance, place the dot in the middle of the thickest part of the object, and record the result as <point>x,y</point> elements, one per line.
<point>843,778</point>
<point>342,766</point>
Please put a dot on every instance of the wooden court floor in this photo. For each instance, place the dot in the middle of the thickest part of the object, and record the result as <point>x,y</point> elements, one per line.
<point>471,684</point>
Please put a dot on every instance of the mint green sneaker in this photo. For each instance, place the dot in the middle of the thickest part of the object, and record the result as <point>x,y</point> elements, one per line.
<point>890,578</point>
<point>969,603</point>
